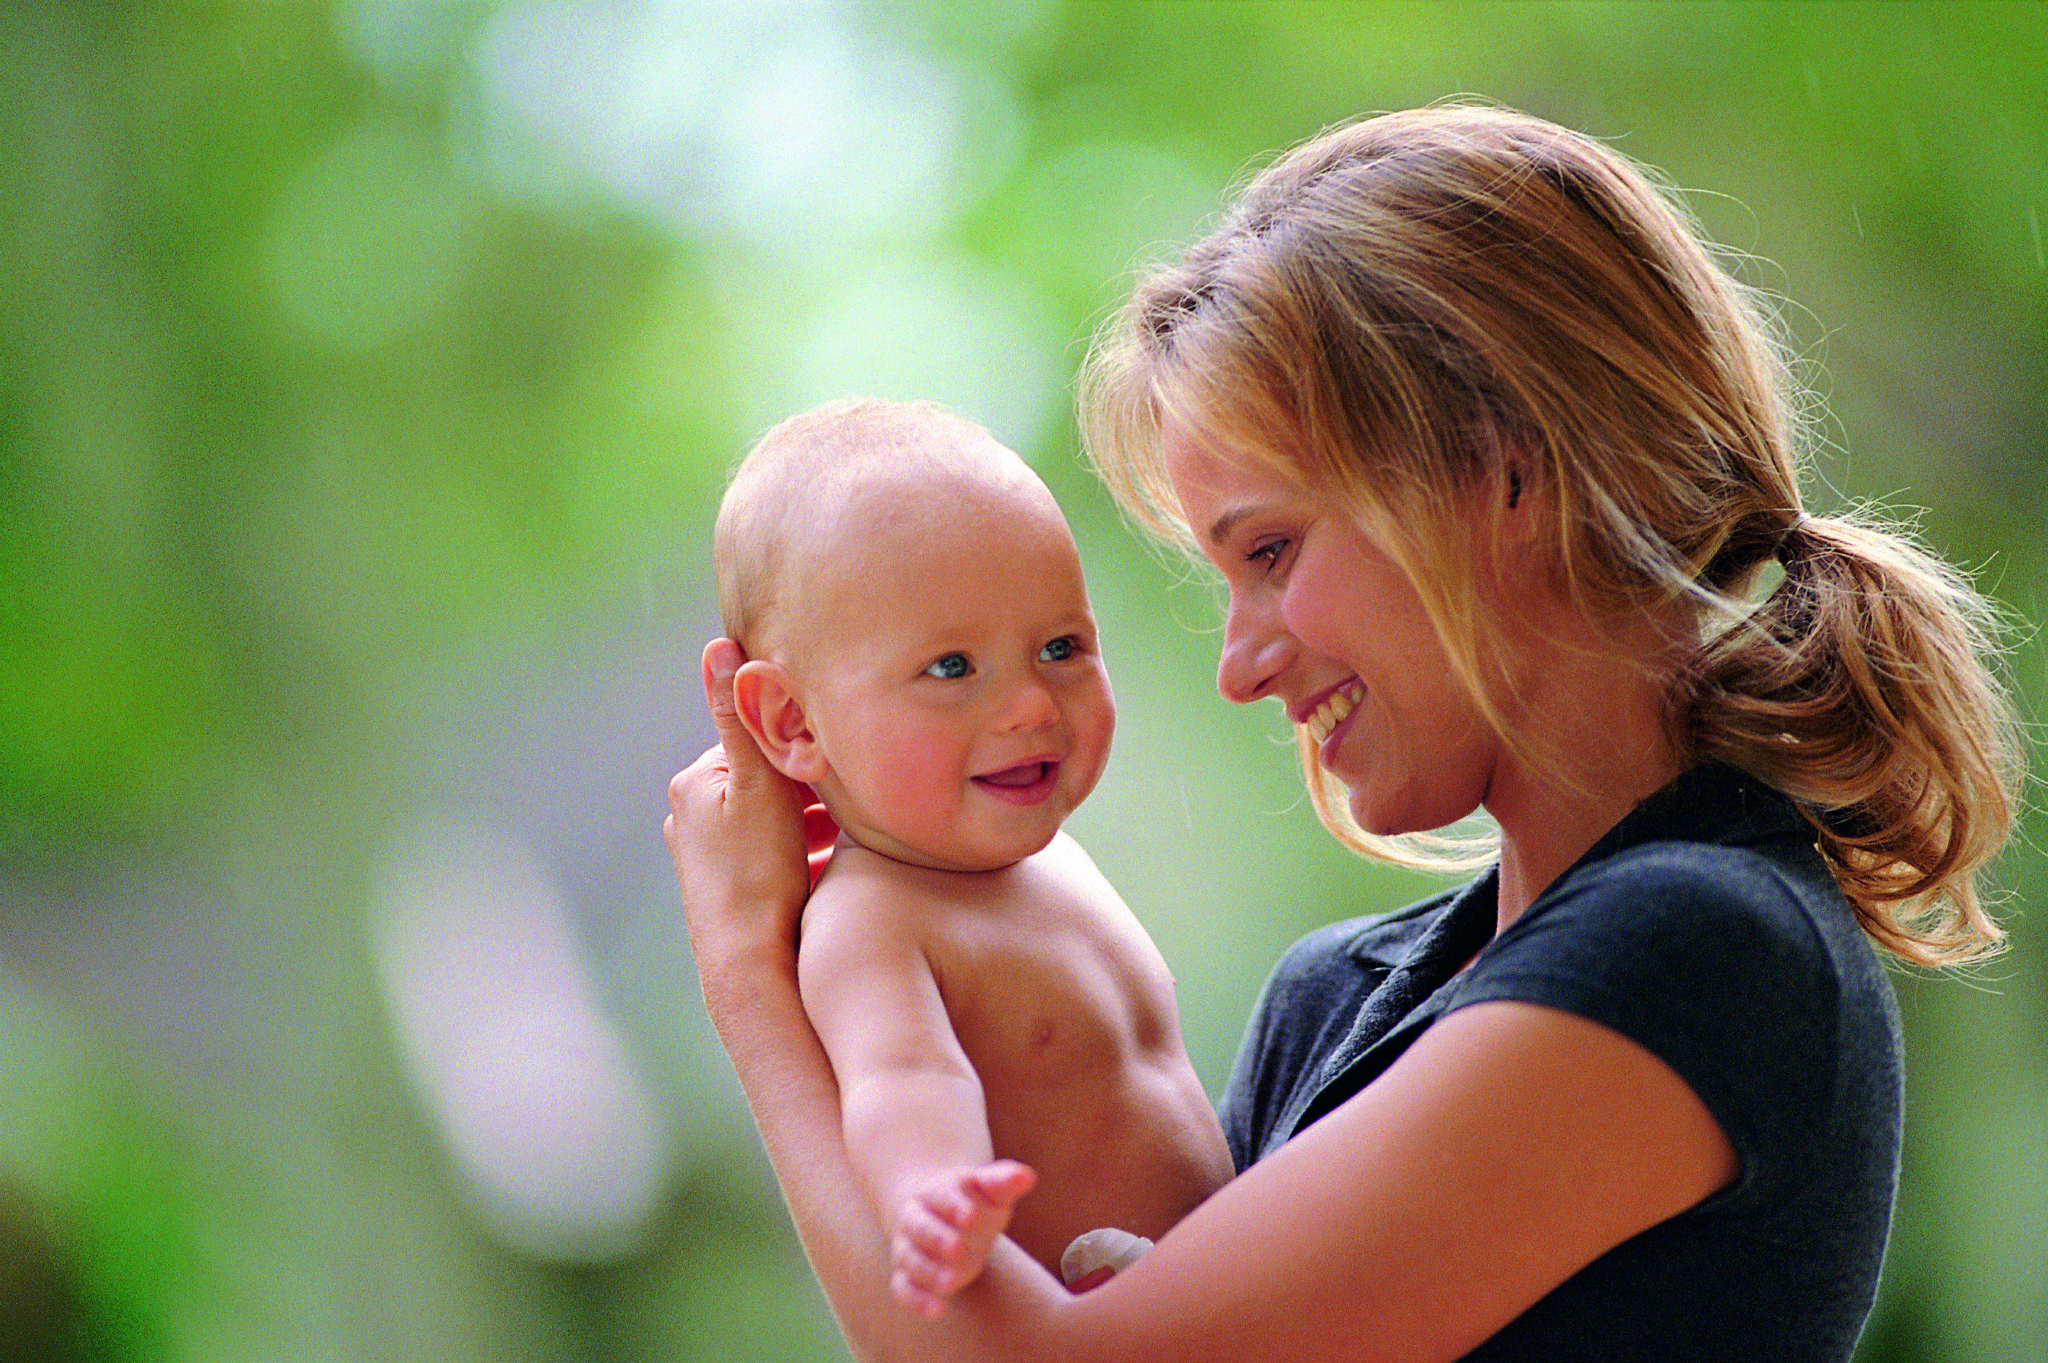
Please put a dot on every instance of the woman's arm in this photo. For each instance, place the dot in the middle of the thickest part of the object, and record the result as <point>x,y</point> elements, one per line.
<point>1509,1147</point>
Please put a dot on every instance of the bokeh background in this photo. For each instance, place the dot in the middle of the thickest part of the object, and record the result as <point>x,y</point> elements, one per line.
<point>368,374</point>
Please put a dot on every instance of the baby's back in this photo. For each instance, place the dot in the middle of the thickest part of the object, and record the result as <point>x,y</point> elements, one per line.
<point>1067,1012</point>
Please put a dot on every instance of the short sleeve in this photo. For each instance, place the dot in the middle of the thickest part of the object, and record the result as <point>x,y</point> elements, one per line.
<point>1708,958</point>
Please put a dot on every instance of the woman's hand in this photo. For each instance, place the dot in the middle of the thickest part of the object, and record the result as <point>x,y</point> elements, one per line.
<point>746,842</point>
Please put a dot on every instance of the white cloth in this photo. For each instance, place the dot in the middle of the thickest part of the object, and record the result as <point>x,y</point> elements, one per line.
<point>1119,1249</point>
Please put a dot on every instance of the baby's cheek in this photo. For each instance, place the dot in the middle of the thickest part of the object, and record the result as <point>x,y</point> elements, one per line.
<point>922,763</point>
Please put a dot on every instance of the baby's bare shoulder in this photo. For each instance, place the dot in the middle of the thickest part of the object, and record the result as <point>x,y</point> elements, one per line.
<point>863,897</point>
<point>865,940</point>
<point>1064,876</point>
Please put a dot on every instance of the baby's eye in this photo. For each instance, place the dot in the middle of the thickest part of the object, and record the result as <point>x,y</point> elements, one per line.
<point>1059,650</point>
<point>950,667</point>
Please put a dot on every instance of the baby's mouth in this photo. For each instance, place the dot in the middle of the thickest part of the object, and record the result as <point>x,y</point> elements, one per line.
<point>1026,783</point>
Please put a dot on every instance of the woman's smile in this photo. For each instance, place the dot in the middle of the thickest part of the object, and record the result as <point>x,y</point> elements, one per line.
<point>1320,615</point>
<point>1334,709</point>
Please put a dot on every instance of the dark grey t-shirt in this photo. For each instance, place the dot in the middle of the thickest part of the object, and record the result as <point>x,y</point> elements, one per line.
<point>1707,928</point>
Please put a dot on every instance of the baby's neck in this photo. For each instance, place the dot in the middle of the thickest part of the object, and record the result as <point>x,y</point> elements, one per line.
<point>912,858</point>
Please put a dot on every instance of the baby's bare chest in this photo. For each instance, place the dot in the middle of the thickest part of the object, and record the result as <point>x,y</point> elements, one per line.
<point>1052,1000</point>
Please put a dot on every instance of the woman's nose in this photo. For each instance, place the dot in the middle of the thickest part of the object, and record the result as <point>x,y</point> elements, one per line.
<point>1255,652</point>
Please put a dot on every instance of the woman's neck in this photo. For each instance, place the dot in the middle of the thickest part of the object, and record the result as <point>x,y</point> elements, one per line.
<point>1597,718</point>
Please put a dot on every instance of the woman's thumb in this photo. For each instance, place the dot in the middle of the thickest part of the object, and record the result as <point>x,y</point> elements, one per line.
<point>722,659</point>
<point>743,757</point>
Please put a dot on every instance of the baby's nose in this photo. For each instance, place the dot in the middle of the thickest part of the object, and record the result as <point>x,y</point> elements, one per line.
<point>1028,703</point>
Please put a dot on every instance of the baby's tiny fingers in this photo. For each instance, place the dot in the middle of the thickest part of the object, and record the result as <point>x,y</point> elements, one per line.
<point>916,1298</point>
<point>949,1204</point>
<point>918,1230</point>
<point>1000,1185</point>
<point>920,1271</point>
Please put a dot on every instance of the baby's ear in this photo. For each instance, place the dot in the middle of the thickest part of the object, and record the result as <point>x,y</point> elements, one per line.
<point>769,708</point>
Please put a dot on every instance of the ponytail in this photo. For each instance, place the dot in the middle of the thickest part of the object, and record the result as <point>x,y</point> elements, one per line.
<point>1860,688</point>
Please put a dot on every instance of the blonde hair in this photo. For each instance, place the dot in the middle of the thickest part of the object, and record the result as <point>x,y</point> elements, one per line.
<point>1419,306</point>
<point>775,500</point>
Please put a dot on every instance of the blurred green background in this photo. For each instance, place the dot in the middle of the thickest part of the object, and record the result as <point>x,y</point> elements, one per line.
<point>368,373</point>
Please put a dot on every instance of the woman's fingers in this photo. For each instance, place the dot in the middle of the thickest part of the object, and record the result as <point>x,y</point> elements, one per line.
<point>737,831</point>
<point>705,777</point>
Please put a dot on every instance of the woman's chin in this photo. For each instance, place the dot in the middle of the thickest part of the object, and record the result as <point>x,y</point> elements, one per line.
<point>1372,814</point>
<point>1390,814</point>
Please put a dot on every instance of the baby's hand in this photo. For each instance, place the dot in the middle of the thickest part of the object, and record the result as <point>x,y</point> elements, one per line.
<point>945,1228</point>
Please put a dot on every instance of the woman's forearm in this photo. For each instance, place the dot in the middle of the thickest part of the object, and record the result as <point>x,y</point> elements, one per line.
<point>790,1091</point>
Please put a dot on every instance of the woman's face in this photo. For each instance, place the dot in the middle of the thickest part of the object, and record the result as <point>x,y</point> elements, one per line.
<point>1323,620</point>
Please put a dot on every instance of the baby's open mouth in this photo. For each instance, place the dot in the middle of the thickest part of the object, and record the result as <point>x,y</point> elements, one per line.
<point>1026,783</point>
<point>1022,775</point>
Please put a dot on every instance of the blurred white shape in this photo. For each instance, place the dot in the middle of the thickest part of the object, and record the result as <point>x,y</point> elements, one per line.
<point>617,95</point>
<point>832,136</point>
<point>372,238</point>
<point>973,339</point>
<point>509,1047</point>
<point>816,156</point>
<point>783,121</point>
<point>554,85</point>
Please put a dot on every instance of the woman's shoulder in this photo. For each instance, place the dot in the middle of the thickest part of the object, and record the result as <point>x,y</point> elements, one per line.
<point>1715,866</point>
<point>1740,965</point>
<point>1774,902</point>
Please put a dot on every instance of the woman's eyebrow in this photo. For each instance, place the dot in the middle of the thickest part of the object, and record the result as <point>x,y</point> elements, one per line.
<point>1222,525</point>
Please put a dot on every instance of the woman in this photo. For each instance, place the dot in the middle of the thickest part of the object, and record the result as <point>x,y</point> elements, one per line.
<point>1495,462</point>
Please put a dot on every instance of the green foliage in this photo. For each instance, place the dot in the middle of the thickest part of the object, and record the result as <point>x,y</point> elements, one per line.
<point>367,375</point>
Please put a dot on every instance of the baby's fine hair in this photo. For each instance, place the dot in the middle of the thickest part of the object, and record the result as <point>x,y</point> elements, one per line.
<point>1416,308</point>
<point>805,463</point>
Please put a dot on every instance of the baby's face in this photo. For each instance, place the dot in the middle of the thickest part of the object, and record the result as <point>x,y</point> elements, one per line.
<point>958,693</point>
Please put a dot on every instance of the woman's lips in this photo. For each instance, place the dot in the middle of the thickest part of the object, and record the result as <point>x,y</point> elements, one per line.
<point>1333,717</point>
<point>1024,784</point>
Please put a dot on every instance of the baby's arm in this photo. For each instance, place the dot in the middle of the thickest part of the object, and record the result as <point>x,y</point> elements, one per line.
<point>911,1105</point>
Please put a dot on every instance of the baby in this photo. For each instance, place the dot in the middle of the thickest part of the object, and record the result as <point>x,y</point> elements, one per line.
<point>922,654</point>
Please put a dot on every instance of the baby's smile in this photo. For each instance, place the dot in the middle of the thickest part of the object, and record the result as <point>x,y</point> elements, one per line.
<point>1024,784</point>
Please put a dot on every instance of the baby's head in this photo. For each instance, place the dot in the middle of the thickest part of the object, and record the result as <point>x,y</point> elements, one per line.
<point>920,647</point>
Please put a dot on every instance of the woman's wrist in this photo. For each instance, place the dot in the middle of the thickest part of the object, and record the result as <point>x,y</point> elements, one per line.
<point>733,968</point>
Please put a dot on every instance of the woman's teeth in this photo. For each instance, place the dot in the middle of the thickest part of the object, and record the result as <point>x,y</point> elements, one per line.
<point>1331,712</point>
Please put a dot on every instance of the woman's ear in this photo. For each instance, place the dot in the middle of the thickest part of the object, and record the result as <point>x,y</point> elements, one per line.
<point>773,713</point>
<point>1517,507</point>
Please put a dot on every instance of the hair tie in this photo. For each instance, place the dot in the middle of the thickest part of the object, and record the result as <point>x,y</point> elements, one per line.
<point>1799,522</point>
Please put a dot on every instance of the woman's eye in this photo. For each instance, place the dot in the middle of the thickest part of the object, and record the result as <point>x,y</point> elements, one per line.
<point>1059,650</point>
<point>1267,554</point>
<point>952,666</point>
